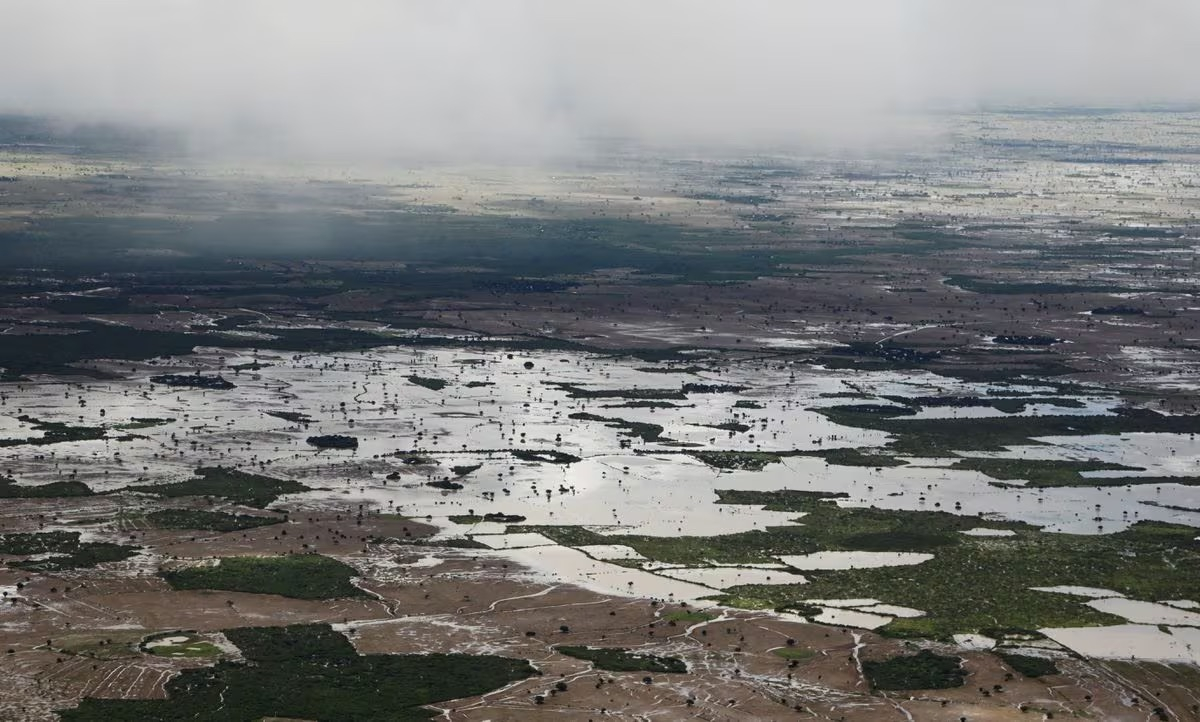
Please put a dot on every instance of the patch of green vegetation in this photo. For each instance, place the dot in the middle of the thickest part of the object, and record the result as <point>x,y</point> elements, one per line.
<point>430,383</point>
<point>646,405</point>
<point>332,441</point>
<point>207,520</point>
<point>940,437</point>
<point>38,353</point>
<point>697,388</point>
<point>854,457</point>
<point>575,391</point>
<point>1029,666</point>
<point>1042,472</point>
<point>803,609</point>
<point>693,369</point>
<point>60,550</point>
<point>737,460</point>
<point>794,653</point>
<point>1135,481</point>
<point>635,429</point>
<point>622,660</point>
<point>143,423</point>
<point>310,672</point>
<point>250,366</point>
<point>239,487</point>
<point>752,547</point>
<point>923,670</point>
<point>552,456</point>
<point>293,416</point>
<point>846,395</point>
<point>194,381</point>
<point>106,644</point>
<point>689,616</point>
<point>734,426</point>
<point>1009,405</point>
<point>972,583</point>
<point>879,411</point>
<point>864,529</point>
<point>10,489</point>
<point>453,543</point>
<point>825,526</point>
<point>300,576</point>
<point>192,646</point>
<point>55,432</point>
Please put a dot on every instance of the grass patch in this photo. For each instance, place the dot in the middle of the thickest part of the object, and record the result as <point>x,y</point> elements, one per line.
<point>332,441</point>
<point>104,644</point>
<point>736,460</point>
<point>1041,472</point>
<point>580,392</point>
<point>622,660</point>
<point>55,432</point>
<point>550,457</point>
<point>427,382</point>
<point>137,423</point>
<point>310,672</point>
<point>294,417</point>
<point>194,381</point>
<point>1029,666</point>
<point>941,437</point>
<point>60,550</point>
<point>192,646</point>
<point>733,426</point>
<point>10,489</point>
<point>207,520</point>
<point>635,429</point>
<point>236,486</point>
<point>300,576</point>
<point>923,670</point>
<point>854,457</point>
<point>971,584</point>
<point>689,616</point>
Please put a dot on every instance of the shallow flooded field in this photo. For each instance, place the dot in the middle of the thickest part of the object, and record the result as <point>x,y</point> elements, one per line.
<point>484,444</point>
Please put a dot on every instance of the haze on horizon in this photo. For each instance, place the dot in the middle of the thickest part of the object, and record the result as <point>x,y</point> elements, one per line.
<point>494,78</point>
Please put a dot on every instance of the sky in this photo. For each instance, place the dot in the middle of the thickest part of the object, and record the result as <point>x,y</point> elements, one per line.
<point>466,78</point>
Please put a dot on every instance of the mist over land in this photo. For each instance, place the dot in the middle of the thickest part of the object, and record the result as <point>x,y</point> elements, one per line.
<point>528,78</point>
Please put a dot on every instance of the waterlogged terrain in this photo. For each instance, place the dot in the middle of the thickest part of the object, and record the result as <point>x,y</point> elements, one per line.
<point>787,435</point>
<point>1062,520</point>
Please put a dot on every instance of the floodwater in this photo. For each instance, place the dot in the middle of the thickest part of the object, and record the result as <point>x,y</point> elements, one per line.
<point>495,401</point>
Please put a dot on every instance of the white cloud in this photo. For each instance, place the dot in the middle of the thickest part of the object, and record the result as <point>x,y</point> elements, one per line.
<point>464,77</point>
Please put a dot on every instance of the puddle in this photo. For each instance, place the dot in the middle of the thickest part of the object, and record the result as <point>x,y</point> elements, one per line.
<point>1093,592</point>
<point>725,577</point>
<point>985,532</point>
<point>854,560</point>
<point>1131,641</point>
<point>1146,612</point>
<point>562,564</point>
<point>610,551</point>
